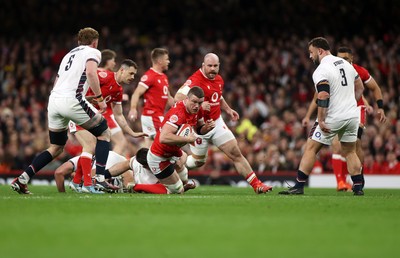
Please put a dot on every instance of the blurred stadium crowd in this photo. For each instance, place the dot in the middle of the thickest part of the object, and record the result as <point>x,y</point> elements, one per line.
<point>264,61</point>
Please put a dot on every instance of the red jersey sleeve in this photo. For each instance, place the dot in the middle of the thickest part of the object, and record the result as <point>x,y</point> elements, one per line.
<point>362,72</point>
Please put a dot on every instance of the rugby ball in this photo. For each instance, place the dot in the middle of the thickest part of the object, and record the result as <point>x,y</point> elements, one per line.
<point>184,130</point>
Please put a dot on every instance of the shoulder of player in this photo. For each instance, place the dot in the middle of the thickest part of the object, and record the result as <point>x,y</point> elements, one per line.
<point>360,68</point>
<point>106,76</point>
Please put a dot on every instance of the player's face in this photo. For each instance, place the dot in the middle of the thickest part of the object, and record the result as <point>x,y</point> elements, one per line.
<point>210,68</point>
<point>314,54</point>
<point>128,75</point>
<point>346,56</point>
<point>164,62</point>
<point>193,104</point>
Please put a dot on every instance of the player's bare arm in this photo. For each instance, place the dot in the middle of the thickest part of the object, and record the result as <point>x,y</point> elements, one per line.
<point>376,91</point>
<point>139,91</point>
<point>311,109</point>
<point>168,136</point>
<point>94,84</point>
<point>170,101</point>
<point>181,94</point>
<point>119,117</point>
<point>232,113</point>
<point>323,103</point>
<point>358,88</point>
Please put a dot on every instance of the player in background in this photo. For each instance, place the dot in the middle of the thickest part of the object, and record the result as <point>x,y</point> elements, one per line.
<point>111,87</point>
<point>154,87</point>
<point>211,82</point>
<point>118,140</point>
<point>338,86</point>
<point>165,150</point>
<point>107,63</point>
<point>67,102</point>
<point>339,164</point>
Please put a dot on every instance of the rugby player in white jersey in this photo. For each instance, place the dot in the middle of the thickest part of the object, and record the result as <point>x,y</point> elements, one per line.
<point>77,71</point>
<point>338,86</point>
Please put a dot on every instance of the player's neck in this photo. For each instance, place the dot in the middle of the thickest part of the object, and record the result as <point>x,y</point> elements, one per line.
<point>157,68</point>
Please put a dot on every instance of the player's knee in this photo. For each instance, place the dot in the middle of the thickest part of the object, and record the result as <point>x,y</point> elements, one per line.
<point>58,138</point>
<point>176,188</point>
<point>101,129</point>
<point>192,162</point>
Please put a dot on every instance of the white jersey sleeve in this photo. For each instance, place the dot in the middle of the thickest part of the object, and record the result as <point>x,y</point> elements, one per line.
<point>74,162</point>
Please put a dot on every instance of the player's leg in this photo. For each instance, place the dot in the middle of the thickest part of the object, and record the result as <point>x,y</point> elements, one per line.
<point>118,140</point>
<point>57,142</point>
<point>317,139</point>
<point>164,170</point>
<point>150,126</point>
<point>337,164</point>
<point>84,166</point>
<point>306,164</point>
<point>224,139</point>
<point>58,137</point>
<point>348,141</point>
<point>85,115</point>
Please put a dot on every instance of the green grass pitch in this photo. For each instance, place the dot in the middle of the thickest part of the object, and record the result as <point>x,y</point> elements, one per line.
<point>205,222</point>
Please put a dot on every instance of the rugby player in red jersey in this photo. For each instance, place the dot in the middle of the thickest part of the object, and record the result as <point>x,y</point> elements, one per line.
<point>153,86</point>
<point>165,158</point>
<point>211,82</point>
<point>112,91</point>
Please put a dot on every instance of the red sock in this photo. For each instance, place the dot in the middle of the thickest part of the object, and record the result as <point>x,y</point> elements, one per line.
<point>253,180</point>
<point>344,170</point>
<point>86,166</point>
<point>78,172</point>
<point>147,188</point>
<point>337,167</point>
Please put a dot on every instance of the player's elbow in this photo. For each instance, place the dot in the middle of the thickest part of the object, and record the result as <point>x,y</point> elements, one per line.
<point>179,97</point>
<point>323,95</point>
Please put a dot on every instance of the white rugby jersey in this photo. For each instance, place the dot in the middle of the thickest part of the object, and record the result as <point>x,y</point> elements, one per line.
<point>340,75</point>
<point>71,80</point>
<point>141,174</point>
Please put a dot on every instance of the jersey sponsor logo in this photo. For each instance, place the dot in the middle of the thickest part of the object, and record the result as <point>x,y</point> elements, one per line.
<point>159,81</point>
<point>102,74</point>
<point>214,97</point>
<point>165,90</point>
<point>144,78</point>
<point>107,99</point>
<point>173,119</point>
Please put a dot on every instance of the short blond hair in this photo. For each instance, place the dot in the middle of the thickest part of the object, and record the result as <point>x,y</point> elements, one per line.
<point>87,35</point>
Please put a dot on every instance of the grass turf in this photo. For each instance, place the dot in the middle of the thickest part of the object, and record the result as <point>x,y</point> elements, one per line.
<point>209,221</point>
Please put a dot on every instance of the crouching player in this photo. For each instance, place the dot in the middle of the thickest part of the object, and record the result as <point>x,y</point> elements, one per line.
<point>136,177</point>
<point>165,158</point>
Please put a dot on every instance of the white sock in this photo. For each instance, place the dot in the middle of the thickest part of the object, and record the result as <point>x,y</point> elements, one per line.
<point>24,178</point>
